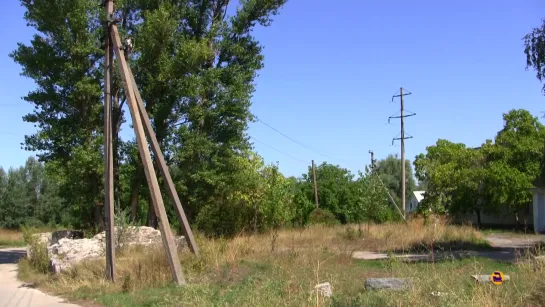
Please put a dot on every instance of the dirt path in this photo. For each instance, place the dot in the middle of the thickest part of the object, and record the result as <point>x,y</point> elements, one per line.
<point>14,293</point>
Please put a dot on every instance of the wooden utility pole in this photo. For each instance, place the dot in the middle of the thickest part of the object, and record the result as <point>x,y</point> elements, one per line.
<point>402,139</point>
<point>403,200</point>
<point>108,149</point>
<point>163,168</point>
<point>315,184</point>
<point>155,193</point>
<point>372,160</point>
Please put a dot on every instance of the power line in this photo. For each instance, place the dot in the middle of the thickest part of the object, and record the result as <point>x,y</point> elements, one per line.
<point>301,144</point>
<point>288,155</point>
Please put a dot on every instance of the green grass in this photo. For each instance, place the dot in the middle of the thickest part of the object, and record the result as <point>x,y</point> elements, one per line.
<point>9,243</point>
<point>272,281</point>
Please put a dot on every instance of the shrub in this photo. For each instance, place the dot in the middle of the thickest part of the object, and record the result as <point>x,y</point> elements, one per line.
<point>37,251</point>
<point>321,216</point>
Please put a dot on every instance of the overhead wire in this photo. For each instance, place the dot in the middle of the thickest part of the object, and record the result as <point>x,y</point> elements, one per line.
<point>277,150</point>
<point>322,153</point>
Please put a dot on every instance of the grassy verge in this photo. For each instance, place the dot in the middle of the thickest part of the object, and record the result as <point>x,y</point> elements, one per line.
<point>245,272</point>
<point>11,238</point>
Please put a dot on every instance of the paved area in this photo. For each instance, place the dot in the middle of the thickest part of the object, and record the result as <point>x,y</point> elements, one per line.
<point>514,241</point>
<point>507,247</point>
<point>14,293</point>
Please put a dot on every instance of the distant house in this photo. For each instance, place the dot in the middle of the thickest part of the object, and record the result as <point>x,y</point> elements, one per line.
<point>501,220</point>
<point>538,209</point>
<point>416,198</point>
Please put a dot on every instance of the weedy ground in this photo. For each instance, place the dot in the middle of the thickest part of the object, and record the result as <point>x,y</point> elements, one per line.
<point>256,270</point>
<point>11,238</point>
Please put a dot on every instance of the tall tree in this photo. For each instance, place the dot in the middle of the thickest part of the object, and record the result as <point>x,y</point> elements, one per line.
<point>452,173</point>
<point>535,51</point>
<point>535,58</point>
<point>514,161</point>
<point>336,189</point>
<point>64,59</point>
<point>195,65</point>
<point>372,202</point>
<point>389,170</point>
<point>494,178</point>
<point>29,197</point>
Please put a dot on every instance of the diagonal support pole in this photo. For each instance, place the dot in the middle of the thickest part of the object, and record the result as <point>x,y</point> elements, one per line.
<point>155,193</point>
<point>163,168</point>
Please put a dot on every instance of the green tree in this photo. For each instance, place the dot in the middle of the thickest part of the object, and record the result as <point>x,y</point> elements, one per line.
<point>336,189</point>
<point>514,161</point>
<point>535,51</point>
<point>195,65</point>
<point>389,170</point>
<point>64,59</point>
<point>452,173</point>
<point>372,204</point>
<point>28,197</point>
<point>492,179</point>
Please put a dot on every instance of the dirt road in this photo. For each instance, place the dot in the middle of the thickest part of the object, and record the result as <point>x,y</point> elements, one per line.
<point>14,293</point>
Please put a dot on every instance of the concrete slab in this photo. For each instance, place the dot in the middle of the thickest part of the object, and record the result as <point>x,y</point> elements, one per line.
<point>388,283</point>
<point>366,255</point>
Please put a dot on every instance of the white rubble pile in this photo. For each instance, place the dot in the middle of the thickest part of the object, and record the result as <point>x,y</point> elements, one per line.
<point>68,252</point>
<point>43,237</point>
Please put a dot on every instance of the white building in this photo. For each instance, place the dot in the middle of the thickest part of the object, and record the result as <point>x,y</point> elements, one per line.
<point>533,216</point>
<point>539,209</point>
<point>416,198</point>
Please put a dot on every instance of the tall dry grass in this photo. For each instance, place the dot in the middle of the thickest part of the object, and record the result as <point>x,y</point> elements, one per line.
<point>10,238</point>
<point>139,268</point>
<point>243,271</point>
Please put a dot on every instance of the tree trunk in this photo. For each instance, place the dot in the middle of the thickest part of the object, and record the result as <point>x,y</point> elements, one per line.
<point>97,209</point>
<point>135,193</point>
<point>136,185</point>
<point>152,217</point>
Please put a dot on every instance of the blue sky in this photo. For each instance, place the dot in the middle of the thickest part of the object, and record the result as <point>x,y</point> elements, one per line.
<point>331,70</point>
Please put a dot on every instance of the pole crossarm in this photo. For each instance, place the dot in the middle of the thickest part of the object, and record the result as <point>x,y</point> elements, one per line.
<point>407,115</point>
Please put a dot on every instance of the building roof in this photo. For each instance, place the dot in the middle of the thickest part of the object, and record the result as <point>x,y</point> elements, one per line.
<point>419,195</point>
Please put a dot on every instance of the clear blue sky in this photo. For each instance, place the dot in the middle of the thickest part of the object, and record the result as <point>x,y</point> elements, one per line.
<point>331,68</point>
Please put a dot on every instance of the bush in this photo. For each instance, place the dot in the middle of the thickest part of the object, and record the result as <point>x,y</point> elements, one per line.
<point>37,251</point>
<point>321,216</point>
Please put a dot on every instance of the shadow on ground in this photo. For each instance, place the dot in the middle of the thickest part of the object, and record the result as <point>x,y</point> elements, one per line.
<point>11,256</point>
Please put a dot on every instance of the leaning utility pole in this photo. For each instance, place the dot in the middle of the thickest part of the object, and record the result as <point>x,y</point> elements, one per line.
<point>315,184</point>
<point>143,131</point>
<point>402,138</point>
<point>108,149</point>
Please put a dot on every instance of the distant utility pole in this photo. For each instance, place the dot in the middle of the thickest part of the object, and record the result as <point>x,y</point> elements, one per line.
<point>382,183</point>
<point>372,160</point>
<point>402,138</point>
<point>315,185</point>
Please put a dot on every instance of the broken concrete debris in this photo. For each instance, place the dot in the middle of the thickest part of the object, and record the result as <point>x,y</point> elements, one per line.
<point>388,283</point>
